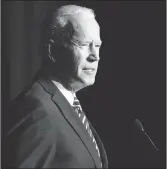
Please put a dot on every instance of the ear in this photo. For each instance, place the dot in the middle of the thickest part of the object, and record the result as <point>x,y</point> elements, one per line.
<point>50,50</point>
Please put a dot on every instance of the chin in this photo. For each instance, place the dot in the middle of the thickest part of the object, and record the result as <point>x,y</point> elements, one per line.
<point>89,81</point>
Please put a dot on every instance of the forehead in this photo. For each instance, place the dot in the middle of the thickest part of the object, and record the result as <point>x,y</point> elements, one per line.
<point>85,28</point>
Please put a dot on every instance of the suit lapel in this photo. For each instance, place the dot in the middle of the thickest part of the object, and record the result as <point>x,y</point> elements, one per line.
<point>101,147</point>
<point>71,117</point>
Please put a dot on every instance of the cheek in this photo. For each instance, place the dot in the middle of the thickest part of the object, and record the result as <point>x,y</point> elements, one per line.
<point>79,58</point>
<point>78,64</point>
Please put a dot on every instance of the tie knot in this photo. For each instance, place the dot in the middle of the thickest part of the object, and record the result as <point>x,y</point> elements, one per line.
<point>76,105</point>
<point>76,101</point>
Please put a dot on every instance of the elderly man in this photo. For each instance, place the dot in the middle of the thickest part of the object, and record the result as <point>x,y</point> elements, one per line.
<point>49,129</point>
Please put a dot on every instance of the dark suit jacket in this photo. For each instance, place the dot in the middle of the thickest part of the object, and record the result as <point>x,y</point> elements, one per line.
<point>45,132</point>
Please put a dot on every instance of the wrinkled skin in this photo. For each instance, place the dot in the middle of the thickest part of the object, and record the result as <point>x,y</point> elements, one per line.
<point>81,56</point>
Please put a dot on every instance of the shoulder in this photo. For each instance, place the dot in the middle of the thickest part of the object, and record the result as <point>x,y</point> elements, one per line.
<point>32,107</point>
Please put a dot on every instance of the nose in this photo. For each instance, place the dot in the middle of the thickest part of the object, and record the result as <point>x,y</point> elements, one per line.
<point>94,51</point>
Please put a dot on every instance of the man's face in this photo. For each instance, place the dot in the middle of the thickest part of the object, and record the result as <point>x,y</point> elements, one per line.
<point>83,51</point>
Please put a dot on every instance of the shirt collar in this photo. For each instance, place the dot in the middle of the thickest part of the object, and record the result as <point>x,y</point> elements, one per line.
<point>66,93</point>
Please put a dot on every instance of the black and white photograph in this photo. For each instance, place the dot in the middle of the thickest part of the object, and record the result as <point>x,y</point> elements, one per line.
<point>83,84</point>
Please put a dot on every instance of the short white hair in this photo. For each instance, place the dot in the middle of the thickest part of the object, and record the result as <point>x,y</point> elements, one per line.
<point>60,22</point>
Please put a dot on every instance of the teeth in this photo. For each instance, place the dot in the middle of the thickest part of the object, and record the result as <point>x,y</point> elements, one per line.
<point>89,70</point>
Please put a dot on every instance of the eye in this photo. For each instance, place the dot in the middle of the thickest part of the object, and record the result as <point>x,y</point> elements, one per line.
<point>84,44</point>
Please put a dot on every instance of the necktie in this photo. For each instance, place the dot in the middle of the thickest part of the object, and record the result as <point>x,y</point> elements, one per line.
<point>78,109</point>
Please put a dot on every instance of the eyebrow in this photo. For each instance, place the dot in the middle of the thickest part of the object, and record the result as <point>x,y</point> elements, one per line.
<point>96,42</point>
<point>91,42</point>
<point>77,42</point>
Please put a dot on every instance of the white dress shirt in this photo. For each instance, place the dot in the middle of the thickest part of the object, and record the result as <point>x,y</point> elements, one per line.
<point>66,93</point>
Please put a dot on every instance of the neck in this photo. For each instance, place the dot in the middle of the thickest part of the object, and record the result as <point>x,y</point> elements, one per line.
<point>64,82</point>
<point>62,78</point>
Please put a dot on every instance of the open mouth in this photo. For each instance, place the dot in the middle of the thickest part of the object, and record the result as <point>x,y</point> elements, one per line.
<point>89,69</point>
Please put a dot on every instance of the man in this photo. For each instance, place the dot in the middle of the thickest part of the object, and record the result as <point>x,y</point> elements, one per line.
<point>48,128</point>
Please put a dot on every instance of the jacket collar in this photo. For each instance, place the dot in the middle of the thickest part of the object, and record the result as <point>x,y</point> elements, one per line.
<point>70,115</point>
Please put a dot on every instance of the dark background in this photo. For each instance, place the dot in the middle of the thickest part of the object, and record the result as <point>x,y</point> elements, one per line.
<point>131,78</point>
